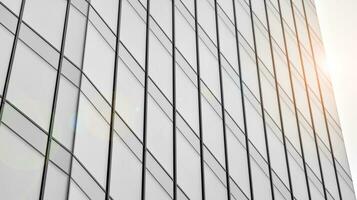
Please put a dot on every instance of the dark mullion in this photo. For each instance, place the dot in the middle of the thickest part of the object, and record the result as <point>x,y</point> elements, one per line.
<point>12,58</point>
<point>199,103</point>
<point>54,103</point>
<point>112,114</point>
<point>308,99</point>
<point>222,102</point>
<point>261,101</point>
<point>147,32</point>
<point>243,102</point>
<point>78,99</point>
<point>174,132</point>
<point>322,101</point>
<point>294,101</point>
<point>278,99</point>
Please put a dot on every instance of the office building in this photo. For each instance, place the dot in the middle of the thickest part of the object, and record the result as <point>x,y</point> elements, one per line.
<point>167,99</point>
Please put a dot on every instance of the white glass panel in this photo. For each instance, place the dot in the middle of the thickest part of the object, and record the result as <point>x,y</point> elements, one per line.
<point>277,156</point>
<point>206,18</point>
<point>160,66</point>
<point>159,134</point>
<point>227,7</point>
<point>126,172</point>
<point>20,167</point>
<point>249,71</point>
<point>6,40</point>
<point>255,128</point>
<point>161,11</point>
<point>108,10</point>
<point>298,179</point>
<point>290,126</point>
<point>153,189</point>
<point>209,69</point>
<point>259,10</point>
<point>237,160</point>
<point>228,44</point>
<point>188,168</point>
<point>132,32</point>
<point>185,38</point>
<point>129,101</point>
<point>329,175</point>
<point>301,98</point>
<point>186,99</point>
<point>214,187</point>
<point>75,36</point>
<point>56,183</point>
<point>92,140</point>
<point>263,48</point>
<point>310,149</point>
<point>212,131</point>
<point>31,86</point>
<point>261,182</point>
<point>233,99</point>
<point>99,62</point>
<point>65,113</point>
<point>347,192</point>
<point>243,21</point>
<point>315,193</point>
<point>47,18</point>
<point>75,193</point>
<point>14,5</point>
<point>270,98</point>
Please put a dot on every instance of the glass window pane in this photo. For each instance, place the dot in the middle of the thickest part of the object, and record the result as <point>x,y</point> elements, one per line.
<point>20,167</point>
<point>129,101</point>
<point>13,5</point>
<point>154,191</point>
<point>47,18</point>
<point>188,167</point>
<point>6,40</point>
<point>161,11</point>
<point>160,66</point>
<point>92,131</point>
<point>214,187</point>
<point>75,193</point>
<point>65,118</point>
<point>159,135</point>
<point>75,36</point>
<point>132,32</point>
<point>126,171</point>
<point>260,180</point>
<point>99,62</point>
<point>56,183</point>
<point>212,128</point>
<point>108,10</point>
<point>31,86</point>
<point>237,160</point>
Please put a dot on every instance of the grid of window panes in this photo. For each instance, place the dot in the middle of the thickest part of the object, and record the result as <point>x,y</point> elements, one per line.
<point>167,99</point>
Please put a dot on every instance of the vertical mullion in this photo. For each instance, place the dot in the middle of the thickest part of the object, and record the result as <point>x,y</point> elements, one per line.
<point>199,102</point>
<point>147,32</point>
<point>174,146</point>
<point>12,58</point>
<point>294,100</point>
<point>308,99</point>
<point>112,115</point>
<point>78,99</point>
<point>261,100</point>
<point>222,101</point>
<point>54,103</point>
<point>322,100</point>
<point>278,100</point>
<point>243,102</point>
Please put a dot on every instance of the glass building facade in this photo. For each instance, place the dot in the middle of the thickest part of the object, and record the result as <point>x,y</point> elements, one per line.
<point>167,99</point>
